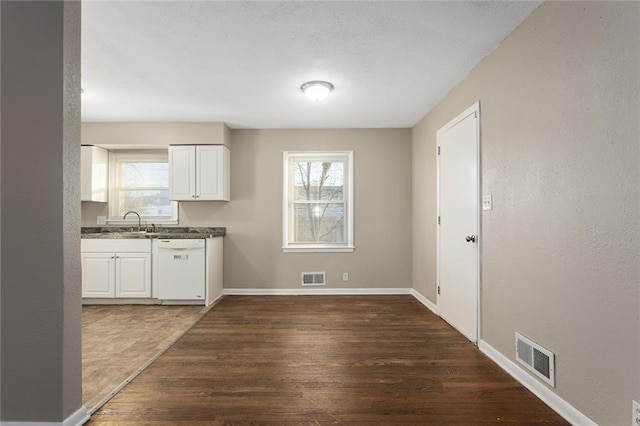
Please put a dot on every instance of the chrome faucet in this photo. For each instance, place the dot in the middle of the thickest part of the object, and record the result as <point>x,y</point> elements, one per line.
<point>137,214</point>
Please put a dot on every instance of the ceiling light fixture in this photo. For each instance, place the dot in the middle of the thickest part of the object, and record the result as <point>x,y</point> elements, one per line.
<point>316,90</point>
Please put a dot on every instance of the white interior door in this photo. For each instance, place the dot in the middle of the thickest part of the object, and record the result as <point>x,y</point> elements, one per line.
<point>458,211</point>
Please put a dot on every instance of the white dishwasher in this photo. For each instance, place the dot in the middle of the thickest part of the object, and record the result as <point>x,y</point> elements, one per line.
<point>181,269</point>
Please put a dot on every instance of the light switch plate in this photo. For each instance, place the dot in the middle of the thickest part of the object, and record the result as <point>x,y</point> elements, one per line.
<point>487,202</point>
<point>102,220</point>
<point>635,419</point>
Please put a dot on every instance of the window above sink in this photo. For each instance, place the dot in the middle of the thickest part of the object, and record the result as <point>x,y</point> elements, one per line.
<point>139,181</point>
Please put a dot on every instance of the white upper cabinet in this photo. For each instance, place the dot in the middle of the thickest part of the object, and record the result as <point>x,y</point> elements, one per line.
<point>211,182</point>
<point>199,172</point>
<point>182,172</point>
<point>94,169</point>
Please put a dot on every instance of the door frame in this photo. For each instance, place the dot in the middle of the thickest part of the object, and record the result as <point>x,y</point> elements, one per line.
<point>473,109</point>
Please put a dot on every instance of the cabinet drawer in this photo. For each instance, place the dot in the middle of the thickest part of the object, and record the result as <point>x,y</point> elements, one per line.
<point>115,245</point>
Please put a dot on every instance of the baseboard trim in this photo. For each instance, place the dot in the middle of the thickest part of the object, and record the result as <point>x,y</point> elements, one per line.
<point>546,395</point>
<point>122,301</point>
<point>216,300</point>
<point>426,302</point>
<point>313,291</point>
<point>78,418</point>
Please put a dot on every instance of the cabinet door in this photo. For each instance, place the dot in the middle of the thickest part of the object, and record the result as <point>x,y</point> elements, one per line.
<point>212,168</point>
<point>85,173</point>
<point>133,275</point>
<point>94,165</point>
<point>182,173</point>
<point>98,279</point>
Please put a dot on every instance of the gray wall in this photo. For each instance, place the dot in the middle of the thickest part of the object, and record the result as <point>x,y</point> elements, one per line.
<point>252,249</point>
<point>40,308</point>
<point>560,154</point>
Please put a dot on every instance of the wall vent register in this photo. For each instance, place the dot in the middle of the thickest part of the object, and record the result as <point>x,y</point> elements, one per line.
<point>313,278</point>
<point>536,358</point>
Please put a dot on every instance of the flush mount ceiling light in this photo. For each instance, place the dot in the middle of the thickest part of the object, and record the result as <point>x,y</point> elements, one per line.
<point>316,90</point>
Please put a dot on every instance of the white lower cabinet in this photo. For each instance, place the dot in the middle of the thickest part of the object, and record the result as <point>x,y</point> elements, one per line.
<point>133,275</point>
<point>116,268</point>
<point>98,275</point>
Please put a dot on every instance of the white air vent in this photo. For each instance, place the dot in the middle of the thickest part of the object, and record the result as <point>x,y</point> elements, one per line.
<point>313,278</point>
<point>536,358</point>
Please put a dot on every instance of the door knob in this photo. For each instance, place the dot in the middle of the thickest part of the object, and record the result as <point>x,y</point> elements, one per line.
<point>471,238</point>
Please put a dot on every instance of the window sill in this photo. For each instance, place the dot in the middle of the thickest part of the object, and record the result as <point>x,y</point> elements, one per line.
<point>318,249</point>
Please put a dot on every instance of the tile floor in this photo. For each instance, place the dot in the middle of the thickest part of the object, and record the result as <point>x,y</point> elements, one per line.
<point>119,339</point>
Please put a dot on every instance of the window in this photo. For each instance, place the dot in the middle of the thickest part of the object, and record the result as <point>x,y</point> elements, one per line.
<point>140,182</point>
<point>318,201</point>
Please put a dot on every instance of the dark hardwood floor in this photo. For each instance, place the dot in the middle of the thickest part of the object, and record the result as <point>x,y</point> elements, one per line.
<point>319,360</point>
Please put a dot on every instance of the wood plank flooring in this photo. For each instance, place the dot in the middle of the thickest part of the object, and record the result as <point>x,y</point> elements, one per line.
<point>319,360</point>
<point>119,339</point>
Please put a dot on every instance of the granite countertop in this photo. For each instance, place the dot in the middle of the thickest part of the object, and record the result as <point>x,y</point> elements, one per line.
<point>175,233</point>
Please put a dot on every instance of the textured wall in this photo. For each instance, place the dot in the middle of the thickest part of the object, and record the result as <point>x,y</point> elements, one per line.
<point>253,256</point>
<point>40,277</point>
<point>560,154</point>
<point>424,209</point>
<point>71,297</point>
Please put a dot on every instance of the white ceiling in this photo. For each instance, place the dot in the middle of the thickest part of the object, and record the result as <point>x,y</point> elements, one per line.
<point>243,62</point>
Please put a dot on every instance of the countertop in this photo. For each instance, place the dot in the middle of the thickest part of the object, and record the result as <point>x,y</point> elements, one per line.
<point>174,233</point>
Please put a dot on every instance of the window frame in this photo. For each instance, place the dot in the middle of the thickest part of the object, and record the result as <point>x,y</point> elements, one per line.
<point>116,157</point>
<point>287,222</point>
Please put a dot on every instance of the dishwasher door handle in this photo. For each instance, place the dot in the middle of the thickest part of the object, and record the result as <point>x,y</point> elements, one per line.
<point>180,248</point>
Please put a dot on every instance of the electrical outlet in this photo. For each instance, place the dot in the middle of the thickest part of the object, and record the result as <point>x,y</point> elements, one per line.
<point>635,419</point>
<point>487,202</point>
<point>345,276</point>
<point>102,220</point>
